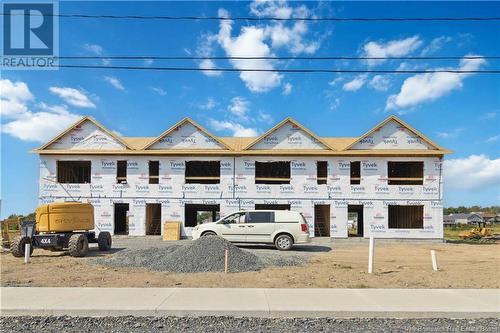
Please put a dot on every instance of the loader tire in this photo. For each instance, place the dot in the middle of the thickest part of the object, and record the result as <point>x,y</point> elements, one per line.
<point>78,245</point>
<point>104,241</point>
<point>17,246</point>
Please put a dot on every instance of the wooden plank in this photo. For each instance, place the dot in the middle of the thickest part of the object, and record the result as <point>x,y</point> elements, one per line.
<point>171,230</point>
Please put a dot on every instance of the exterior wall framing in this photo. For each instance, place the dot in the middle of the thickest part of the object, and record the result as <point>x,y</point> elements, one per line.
<point>237,190</point>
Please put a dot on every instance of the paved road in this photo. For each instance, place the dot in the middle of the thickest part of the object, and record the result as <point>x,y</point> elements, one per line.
<point>231,324</point>
<point>364,303</point>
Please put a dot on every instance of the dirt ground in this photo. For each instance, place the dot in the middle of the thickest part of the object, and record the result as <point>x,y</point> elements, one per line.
<point>397,265</point>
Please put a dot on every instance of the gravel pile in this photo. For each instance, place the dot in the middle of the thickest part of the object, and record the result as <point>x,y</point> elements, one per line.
<point>273,257</point>
<point>205,254</point>
<point>231,324</point>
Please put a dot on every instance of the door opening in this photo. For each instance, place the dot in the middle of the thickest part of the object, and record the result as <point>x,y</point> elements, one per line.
<point>321,220</point>
<point>355,220</point>
<point>153,219</point>
<point>121,219</point>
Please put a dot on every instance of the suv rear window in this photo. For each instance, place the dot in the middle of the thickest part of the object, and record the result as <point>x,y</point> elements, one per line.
<point>260,217</point>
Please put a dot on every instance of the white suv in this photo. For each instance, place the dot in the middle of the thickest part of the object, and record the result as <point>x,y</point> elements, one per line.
<point>282,228</point>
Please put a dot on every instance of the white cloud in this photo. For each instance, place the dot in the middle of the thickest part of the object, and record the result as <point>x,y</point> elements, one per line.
<point>93,48</point>
<point>10,108</point>
<point>96,50</point>
<point>287,88</point>
<point>494,138</point>
<point>336,81</point>
<point>114,82</point>
<point>488,115</point>
<point>260,40</point>
<point>380,82</point>
<point>28,125</point>
<point>39,126</point>
<point>14,96</point>
<point>435,45</point>
<point>209,104</point>
<point>332,99</point>
<point>355,84</point>
<point>474,172</point>
<point>159,91</point>
<point>393,48</point>
<point>235,128</point>
<point>239,107</point>
<point>412,66</point>
<point>265,117</point>
<point>292,37</point>
<point>427,87</point>
<point>72,96</point>
<point>250,42</point>
<point>450,134</point>
<point>208,66</point>
<point>205,49</point>
<point>335,103</point>
<point>277,9</point>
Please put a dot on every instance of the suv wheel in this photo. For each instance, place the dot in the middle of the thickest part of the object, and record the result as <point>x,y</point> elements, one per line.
<point>283,242</point>
<point>209,234</point>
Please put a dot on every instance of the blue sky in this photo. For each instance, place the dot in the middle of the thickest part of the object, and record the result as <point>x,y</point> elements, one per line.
<point>461,113</point>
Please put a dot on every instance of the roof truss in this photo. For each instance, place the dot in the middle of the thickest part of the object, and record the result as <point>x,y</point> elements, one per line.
<point>282,123</point>
<point>80,122</point>
<point>400,122</point>
<point>179,124</point>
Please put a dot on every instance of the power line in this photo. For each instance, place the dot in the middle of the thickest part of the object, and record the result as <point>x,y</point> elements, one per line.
<point>287,70</point>
<point>143,57</point>
<point>247,18</point>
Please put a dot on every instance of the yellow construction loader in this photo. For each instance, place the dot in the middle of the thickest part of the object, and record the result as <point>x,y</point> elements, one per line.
<point>476,233</point>
<point>61,226</point>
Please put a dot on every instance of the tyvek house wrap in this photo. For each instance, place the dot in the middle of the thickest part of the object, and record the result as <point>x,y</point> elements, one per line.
<point>87,136</point>
<point>288,136</point>
<point>237,189</point>
<point>392,136</point>
<point>186,136</point>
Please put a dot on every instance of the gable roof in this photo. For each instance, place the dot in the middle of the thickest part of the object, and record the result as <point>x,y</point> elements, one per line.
<point>179,124</point>
<point>279,125</point>
<point>402,123</point>
<point>467,216</point>
<point>78,123</point>
<point>334,146</point>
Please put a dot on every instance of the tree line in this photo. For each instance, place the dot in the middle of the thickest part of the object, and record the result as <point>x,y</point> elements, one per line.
<point>463,209</point>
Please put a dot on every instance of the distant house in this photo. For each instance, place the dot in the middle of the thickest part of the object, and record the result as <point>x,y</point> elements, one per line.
<point>489,218</point>
<point>456,219</point>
